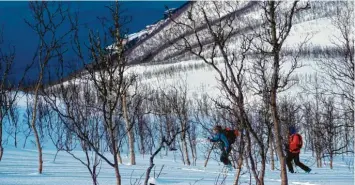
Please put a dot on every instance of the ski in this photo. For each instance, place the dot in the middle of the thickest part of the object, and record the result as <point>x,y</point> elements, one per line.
<point>306,172</point>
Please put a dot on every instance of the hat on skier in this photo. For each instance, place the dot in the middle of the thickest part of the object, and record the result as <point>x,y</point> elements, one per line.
<point>292,130</point>
<point>217,127</point>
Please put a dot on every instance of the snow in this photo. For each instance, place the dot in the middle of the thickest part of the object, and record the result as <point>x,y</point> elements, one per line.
<point>314,24</point>
<point>19,167</point>
<point>319,32</point>
<point>141,34</point>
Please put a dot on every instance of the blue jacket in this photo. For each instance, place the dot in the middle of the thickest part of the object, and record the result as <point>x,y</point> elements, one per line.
<point>221,137</point>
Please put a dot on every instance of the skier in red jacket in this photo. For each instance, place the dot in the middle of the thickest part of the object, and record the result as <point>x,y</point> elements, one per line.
<point>294,147</point>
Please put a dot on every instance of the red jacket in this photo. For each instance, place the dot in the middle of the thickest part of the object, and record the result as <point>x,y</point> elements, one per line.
<point>295,143</point>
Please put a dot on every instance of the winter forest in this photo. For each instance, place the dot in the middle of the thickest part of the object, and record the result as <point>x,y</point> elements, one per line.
<point>139,108</point>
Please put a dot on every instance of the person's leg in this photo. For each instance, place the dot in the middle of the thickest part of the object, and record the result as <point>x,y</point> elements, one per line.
<point>223,157</point>
<point>227,156</point>
<point>289,159</point>
<point>301,165</point>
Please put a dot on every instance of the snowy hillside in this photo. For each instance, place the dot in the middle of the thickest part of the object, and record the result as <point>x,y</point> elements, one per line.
<point>18,168</point>
<point>158,47</point>
<point>314,27</point>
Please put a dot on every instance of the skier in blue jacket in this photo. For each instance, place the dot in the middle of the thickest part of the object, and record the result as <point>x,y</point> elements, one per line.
<point>221,138</point>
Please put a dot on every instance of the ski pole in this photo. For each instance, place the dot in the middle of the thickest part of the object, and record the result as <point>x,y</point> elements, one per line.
<point>208,155</point>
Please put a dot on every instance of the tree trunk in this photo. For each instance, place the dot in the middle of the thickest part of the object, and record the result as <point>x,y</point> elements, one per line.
<point>115,152</point>
<point>55,156</point>
<point>35,132</point>
<point>1,152</point>
<point>319,162</point>
<point>252,161</point>
<point>129,131</point>
<point>131,148</point>
<point>273,94</point>
<point>320,153</point>
<point>1,147</point>
<point>240,161</point>
<point>272,155</point>
<point>15,140</point>
<point>142,145</point>
<point>141,135</point>
<point>118,156</point>
<point>184,148</point>
<point>94,179</point>
<point>92,174</point>
<point>331,160</point>
<point>277,131</point>
<point>346,136</point>
<point>239,170</point>
<point>151,165</point>
<point>39,148</point>
<point>151,161</point>
<point>117,172</point>
<point>168,130</point>
<point>263,167</point>
<point>192,148</point>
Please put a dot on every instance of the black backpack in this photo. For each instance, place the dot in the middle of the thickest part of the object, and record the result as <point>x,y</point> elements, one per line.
<point>231,135</point>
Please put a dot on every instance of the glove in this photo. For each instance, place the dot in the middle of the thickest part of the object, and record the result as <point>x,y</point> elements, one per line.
<point>209,139</point>
<point>244,132</point>
<point>286,146</point>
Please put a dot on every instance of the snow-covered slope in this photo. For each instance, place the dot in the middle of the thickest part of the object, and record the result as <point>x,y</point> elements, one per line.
<point>18,167</point>
<point>313,26</point>
<point>160,45</point>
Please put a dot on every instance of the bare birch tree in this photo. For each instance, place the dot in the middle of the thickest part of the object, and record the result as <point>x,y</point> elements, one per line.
<point>47,21</point>
<point>109,80</point>
<point>339,69</point>
<point>9,89</point>
<point>80,122</point>
<point>180,106</point>
<point>277,22</point>
<point>6,99</point>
